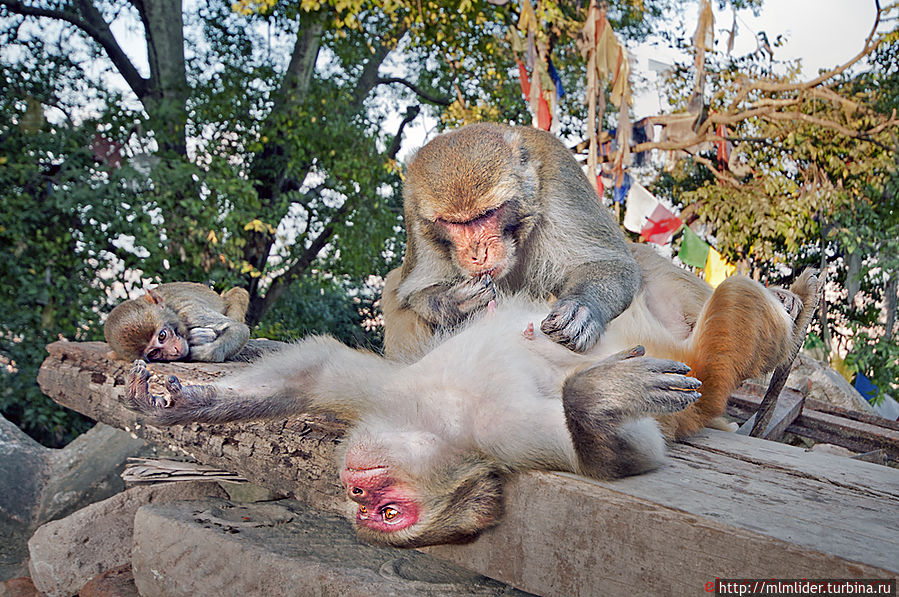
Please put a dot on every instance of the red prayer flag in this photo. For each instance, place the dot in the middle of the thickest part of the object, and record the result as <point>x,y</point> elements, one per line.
<point>660,226</point>
<point>544,118</point>
<point>523,79</point>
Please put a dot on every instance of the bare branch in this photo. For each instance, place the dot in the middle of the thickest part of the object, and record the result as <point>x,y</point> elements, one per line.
<point>89,20</point>
<point>411,113</point>
<point>440,101</point>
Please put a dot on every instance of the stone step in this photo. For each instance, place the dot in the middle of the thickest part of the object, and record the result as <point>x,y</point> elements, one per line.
<point>217,547</point>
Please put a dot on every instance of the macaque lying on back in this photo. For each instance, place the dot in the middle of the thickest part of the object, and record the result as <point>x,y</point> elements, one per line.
<point>432,441</point>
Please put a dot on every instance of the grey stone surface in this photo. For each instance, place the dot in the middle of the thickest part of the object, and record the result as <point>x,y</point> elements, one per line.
<point>282,548</point>
<point>827,385</point>
<point>66,553</point>
<point>23,472</point>
<point>40,484</point>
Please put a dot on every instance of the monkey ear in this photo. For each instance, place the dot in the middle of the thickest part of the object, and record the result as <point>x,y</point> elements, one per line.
<point>154,298</point>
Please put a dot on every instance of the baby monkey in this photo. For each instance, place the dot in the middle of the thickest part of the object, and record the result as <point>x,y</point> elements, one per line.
<point>179,321</point>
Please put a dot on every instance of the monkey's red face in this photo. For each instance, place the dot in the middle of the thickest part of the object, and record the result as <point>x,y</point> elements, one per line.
<point>478,243</point>
<point>167,345</point>
<point>384,504</point>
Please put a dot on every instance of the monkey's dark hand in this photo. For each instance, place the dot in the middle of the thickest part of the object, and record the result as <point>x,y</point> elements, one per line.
<point>177,407</point>
<point>629,384</point>
<point>574,323</point>
<point>451,305</point>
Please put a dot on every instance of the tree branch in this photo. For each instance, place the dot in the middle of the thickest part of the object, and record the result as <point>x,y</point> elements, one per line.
<point>411,113</point>
<point>89,20</point>
<point>440,101</point>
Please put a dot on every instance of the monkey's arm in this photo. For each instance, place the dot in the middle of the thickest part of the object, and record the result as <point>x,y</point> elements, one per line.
<point>593,294</point>
<point>317,374</point>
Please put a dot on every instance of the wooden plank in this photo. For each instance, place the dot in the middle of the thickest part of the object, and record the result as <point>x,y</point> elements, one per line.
<point>787,407</point>
<point>725,505</point>
<point>861,433</point>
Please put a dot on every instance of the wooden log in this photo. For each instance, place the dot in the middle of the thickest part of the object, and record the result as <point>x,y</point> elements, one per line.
<point>293,457</point>
<point>724,506</point>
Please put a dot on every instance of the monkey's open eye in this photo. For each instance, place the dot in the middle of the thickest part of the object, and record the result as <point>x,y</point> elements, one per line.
<point>163,334</point>
<point>389,513</point>
<point>363,510</point>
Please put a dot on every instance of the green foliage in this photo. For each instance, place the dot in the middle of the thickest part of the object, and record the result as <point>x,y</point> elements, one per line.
<point>812,190</point>
<point>323,305</point>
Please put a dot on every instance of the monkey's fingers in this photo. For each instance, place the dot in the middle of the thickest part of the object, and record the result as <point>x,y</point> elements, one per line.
<point>666,366</point>
<point>474,294</point>
<point>139,397</point>
<point>572,324</point>
<point>672,393</point>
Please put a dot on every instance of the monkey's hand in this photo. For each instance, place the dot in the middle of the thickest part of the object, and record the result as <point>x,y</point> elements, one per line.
<point>446,307</point>
<point>625,386</point>
<point>202,336</point>
<point>574,323</point>
<point>177,407</point>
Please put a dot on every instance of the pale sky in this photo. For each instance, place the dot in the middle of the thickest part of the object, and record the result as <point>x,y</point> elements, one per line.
<point>822,33</point>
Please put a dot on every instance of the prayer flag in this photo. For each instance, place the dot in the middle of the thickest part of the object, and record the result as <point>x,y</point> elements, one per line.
<point>693,250</point>
<point>717,269</point>
<point>660,226</point>
<point>640,205</point>
<point>621,190</point>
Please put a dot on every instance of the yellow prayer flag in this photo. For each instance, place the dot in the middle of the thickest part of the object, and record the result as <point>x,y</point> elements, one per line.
<point>717,269</point>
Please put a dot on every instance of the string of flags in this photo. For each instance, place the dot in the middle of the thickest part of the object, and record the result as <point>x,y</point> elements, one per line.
<point>655,223</point>
<point>542,86</point>
<point>607,60</point>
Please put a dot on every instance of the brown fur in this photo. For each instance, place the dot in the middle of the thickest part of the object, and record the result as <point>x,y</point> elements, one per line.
<point>133,324</point>
<point>512,206</point>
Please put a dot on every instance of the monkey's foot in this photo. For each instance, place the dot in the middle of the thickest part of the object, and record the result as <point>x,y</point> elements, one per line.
<point>631,385</point>
<point>179,406</point>
<point>804,291</point>
<point>791,302</point>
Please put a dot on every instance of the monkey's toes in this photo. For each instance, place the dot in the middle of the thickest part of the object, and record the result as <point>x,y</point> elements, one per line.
<point>791,302</point>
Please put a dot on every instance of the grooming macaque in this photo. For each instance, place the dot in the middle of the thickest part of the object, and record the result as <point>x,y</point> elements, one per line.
<point>179,321</point>
<point>432,441</point>
<point>493,207</point>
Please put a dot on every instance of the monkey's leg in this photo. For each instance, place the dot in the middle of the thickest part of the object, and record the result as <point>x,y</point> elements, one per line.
<point>237,300</point>
<point>601,404</point>
<point>744,331</point>
<point>231,337</point>
<point>206,403</point>
<point>201,336</point>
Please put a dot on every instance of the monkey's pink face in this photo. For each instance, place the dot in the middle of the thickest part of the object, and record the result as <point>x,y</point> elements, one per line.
<point>384,504</point>
<point>478,243</point>
<point>167,345</point>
